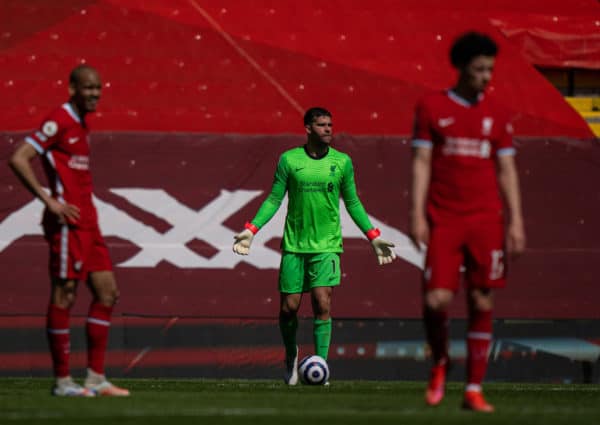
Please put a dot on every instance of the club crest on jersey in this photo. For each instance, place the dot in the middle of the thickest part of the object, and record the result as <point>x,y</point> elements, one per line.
<point>486,126</point>
<point>50,128</point>
<point>332,170</point>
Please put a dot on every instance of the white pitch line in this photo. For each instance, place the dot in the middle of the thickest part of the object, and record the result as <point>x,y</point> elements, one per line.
<point>283,92</point>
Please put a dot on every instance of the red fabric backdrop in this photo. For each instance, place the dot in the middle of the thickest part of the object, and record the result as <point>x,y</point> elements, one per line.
<point>251,67</point>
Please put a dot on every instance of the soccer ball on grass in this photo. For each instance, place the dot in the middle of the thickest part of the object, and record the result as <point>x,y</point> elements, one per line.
<point>313,370</point>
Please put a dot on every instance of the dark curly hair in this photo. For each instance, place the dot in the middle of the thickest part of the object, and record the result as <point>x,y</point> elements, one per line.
<point>470,45</point>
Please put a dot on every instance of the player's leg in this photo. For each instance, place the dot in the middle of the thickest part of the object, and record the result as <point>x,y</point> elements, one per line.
<point>105,293</point>
<point>485,270</point>
<point>62,298</point>
<point>440,282</point>
<point>321,304</point>
<point>479,336</point>
<point>65,272</point>
<point>323,274</point>
<point>435,318</point>
<point>288,326</point>
<point>291,283</point>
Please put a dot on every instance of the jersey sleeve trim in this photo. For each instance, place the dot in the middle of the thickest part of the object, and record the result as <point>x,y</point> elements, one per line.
<point>506,152</point>
<point>253,228</point>
<point>41,136</point>
<point>35,145</point>
<point>422,143</point>
<point>67,107</point>
<point>374,233</point>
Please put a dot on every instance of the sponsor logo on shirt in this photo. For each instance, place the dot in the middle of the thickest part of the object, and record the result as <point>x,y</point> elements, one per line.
<point>464,146</point>
<point>312,186</point>
<point>79,162</point>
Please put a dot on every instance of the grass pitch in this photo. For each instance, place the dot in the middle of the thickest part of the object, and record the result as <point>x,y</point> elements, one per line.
<point>28,401</point>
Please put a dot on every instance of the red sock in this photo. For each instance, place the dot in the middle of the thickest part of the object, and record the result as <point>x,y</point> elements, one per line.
<point>57,328</point>
<point>98,324</point>
<point>436,329</point>
<point>479,337</point>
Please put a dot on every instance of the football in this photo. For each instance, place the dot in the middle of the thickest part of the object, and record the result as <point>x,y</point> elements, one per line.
<point>313,370</point>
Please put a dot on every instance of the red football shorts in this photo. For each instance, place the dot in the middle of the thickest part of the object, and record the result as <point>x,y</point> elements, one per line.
<point>76,252</point>
<point>476,244</point>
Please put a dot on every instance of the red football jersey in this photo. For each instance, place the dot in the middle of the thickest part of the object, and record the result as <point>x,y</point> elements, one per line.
<point>466,139</point>
<point>63,142</point>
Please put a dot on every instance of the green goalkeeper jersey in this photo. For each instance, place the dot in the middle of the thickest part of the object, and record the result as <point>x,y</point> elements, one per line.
<point>314,186</point>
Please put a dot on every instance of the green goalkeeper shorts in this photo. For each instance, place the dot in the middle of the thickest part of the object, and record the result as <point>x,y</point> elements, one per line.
<point>301,272</point>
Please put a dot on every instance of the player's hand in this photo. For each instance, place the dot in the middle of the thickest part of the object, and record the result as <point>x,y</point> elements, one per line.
<point>66,213</point>
<point>242,243</point>
<point>383,250</point>
<point>419,232</point>
<point>515,239</point>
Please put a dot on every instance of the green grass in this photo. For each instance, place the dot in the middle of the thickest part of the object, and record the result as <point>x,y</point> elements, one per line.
<point>158,401</point>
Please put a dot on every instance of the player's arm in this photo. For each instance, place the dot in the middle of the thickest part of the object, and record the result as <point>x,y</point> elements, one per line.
<point>267,210</point>
<point>421,174</point>
<point>422,148</point>
<point>508,182</point>
<point>20,163</point>
<point>382,248</point>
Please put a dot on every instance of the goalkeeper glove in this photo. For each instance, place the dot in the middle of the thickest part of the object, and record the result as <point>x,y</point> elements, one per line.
<point>243,240</point>
<point>383,249</point>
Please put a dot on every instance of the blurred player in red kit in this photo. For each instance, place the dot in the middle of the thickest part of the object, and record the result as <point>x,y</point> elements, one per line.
<point>70,223</point>
<point>463,168</point>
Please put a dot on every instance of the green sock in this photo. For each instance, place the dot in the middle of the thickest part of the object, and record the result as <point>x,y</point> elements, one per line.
<point>288,330</point>
<point>322,336</point>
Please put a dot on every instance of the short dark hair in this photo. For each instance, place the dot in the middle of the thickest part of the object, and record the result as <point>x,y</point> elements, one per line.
<point>75,74</point>
<point>314,113</point>
<point>470,45</point>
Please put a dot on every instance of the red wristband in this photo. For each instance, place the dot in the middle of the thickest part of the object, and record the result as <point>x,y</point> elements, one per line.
<point>373,233</point>
<point>251,227</point>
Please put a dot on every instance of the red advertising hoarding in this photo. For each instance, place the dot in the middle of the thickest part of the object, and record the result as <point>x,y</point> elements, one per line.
<point>169,205</point>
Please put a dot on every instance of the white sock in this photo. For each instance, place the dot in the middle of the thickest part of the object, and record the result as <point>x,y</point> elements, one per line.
<point>473,387</point>
<point>93,377</point>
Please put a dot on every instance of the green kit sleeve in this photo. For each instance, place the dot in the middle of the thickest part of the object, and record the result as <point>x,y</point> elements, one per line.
<point>270,206</point>
<point>353,205</point>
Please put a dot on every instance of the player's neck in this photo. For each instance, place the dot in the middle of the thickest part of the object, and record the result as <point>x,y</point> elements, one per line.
<point>78,111</point>
<point>316,149</point>
<point>467,93</point>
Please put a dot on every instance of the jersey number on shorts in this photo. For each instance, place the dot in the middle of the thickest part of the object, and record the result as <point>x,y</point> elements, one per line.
<point>497,269</point>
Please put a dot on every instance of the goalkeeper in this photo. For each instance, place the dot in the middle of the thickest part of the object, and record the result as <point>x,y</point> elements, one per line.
<point>315,176</point>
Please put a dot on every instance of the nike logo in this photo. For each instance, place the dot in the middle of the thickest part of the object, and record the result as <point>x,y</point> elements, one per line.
<point>300,168</point>
<point>72,140</point>
<point>445,122</point>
